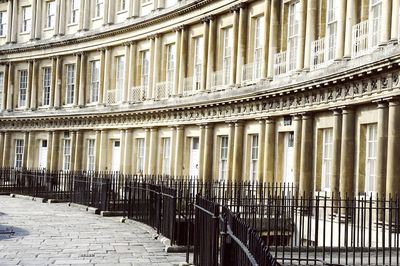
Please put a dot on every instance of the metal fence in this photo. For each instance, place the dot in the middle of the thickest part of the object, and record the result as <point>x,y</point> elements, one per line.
<point>233,223</point>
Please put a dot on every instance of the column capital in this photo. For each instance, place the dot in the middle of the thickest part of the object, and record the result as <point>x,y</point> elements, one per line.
<point>347,110</point>
<point>297,116</point>
<point>101,49</point>
<point>207,18</point>
<point>129,43</point>
<point>237,7</point>
<point>179,28</point>
<point>393,101</point>
<point>179,127</point>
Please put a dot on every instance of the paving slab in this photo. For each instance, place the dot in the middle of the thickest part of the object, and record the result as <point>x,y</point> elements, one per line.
<point>58,234</point>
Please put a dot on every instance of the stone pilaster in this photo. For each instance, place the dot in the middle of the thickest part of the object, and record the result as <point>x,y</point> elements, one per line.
<point>269,151</point>
<point>102,151</point>
<point>127,165</point>
<point>242,43</point>
<point>381,151</point>
<point>347,154</point>
<point>302,34</point>
<point>5,89</point>
<point>297,126</point>
<point>235,30</point>
<point>78,150</point>
<point>261,151</point>
<point>238,153</point>
<point>231,142</point>
<point>393,148</point>
<point>153,151</point>
<point>55,150</point>
<point>179,151</point>
<point>34,86</point>
<point>211,51</point>
<point>351,20</point>
<point>57,83</point>
<point>14,24</point>
<point>208,153</point>
<point>336,150</point>
<point>341,29</point>
<point>385,32</point>
<point>183,59</point>
<point>206,34</point>
<point>306,160</point>
<point>127,73</point>
<point>82,80</point>
<point>7,150</point>
<point>10,87</point>
<point>266,33</point>
<point>102,76</point>
<point>274,28</point>
<point>9,21</point>
<point>77,78</point>
<point>311,27</point>
<point>395,22</point>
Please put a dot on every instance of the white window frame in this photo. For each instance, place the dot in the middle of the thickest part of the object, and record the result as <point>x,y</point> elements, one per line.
<point>74,10</point>
<point>327,153</point>
<point>91,154</point>
<point>170,64</point>
<point>119,76</point>
<point>50,14</point>
<point>140,155</point>
<point>166,156</point>
<point>66,154</point>
<point>26,24</point>
<point>227,51</point>
<point>3,23</point>
<point>258,47</point>
<point>331,30</point>
<point>292,35</point>
<point>371,144</point>
<point>70,84</point>
<point>23,87</point>
<point>19,153</point>
<point>145,71</point>
<point>223,158</point>
<point>94,81</point>
<point>254,146</point>
<point>46,85</point>
<point>121,5</point>
<point>98,8</point>
<point>375,22</point>
<point>198,62</point>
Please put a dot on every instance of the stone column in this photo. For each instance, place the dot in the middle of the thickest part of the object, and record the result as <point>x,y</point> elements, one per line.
<point>73,141</point>
<point>105,13</point>
<point>132,67</point>
<point>53,81</point>
<point>77,79</point>
<point>127,165</point>
<point>206,33</point>
<point>9,21</point>
<point>261,151</point>
<point>336,150</point>
<point>29,150</point>
<point>242,42</point>
<point>49,149</point>
<point>201,151</point>
<point>122,146</point>
<point>269,151</point>
<point>57,18</point>
<point>183,59</point>
<point>10,87</point>
<point>87,17</point>
<point>238,153</point>
<point>267,17</point>
<point>54,150</point>
<point>110,13</point>
<point>57,83</point>
<point>156,63</point>
<point>393,148</point>
<point>173,154</point>
<point>147,148</point>
<point>1,148</point>
<point>231,142</point>
<point>82,80</point>
<point>311,27</point>
<point>7,149</point>
<point>341,27</point>
<point>347,154</point>
<point>5,89</point>
<point>61,18</point>
<point>14,24</point>
<point>78,150</point>
<point>351,19</point>
<point>177,60</point>
<point>395,22</point>
<point>101,77</point>
<point>107,69</point>
<point>235,29</point>
<point>29,87</point>
<point>386,21</point>
<point>127,72</point>
<point>297,126</point>
<point>149,93</point>
<point>33,18</point>
<point>306,159</point>
<point>37,27</point>
<point>208,153</point>
<point>34,90</point>
<point>153,151</point>
<point>103,148</point>
<point>135,8</point>
<point>274,28</point>
<point>179,150</point>
<point>211,51</point>
<point>98,147</point>
<point>301,36</point>
<point>81,23</point>
<point>381,151</point>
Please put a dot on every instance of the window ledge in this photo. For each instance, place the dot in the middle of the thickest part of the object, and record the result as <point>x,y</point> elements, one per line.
<point>97,18</point>
<point>122,12</point>
<point>72,24</point>
<point>48,29</point>
<point>25,33</point>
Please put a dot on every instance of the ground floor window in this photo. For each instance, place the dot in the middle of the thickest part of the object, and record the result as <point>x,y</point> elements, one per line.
<point>67,155</point>
<point>140,156</point>
<point>19,153</point>
<point>91,155</point>
<point>223,157</point>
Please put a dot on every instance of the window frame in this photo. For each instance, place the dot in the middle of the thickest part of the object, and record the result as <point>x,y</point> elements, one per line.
<point>223,157</point>
<point>22,87</point>
<point>166,156</point>
<point>19,153</point>
<point>26,23</point>
<point>140,155</point>
<point>66,154</point>
<point>3,23</point>
<point>70,84</point>
<point>50,17</point>
<point>327,159</point>
<point>227,54</point>
<point>91,155</point>
<point>198,45</point>
<point>371,144</point>
<point>46,85</point>
<point>94,81</point>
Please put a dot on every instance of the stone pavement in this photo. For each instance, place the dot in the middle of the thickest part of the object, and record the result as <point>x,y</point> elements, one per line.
<point>55,234</point>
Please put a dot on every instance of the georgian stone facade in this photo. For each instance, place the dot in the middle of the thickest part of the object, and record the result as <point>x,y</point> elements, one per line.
<point>307,93</point>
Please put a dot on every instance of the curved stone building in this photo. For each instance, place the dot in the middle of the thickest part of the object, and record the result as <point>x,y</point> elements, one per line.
<point>302,91</point>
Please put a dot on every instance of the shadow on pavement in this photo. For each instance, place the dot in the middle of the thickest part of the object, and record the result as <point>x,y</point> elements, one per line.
<point>8,231</point>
